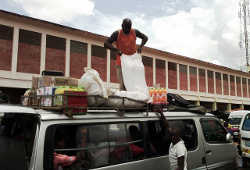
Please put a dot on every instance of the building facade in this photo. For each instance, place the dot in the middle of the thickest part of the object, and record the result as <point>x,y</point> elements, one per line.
<point>28,46</point>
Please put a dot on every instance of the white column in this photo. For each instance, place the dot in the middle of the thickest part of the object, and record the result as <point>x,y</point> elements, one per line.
<point>43,53</point>
<point>198,80</point>
<point>178,76</point>
<point>241,87</point>
<point>166,70</point>
<point>15,49</point>
<point>108,66</point>
<point>214,75</point>
<point>235,86</point>
<point>188,77</point>
<point>67,61</point>
<point>206,80</point>
<point>229,85</point>
<point>222,84</point>
<point>154,71</point>
<point>247,87</point>
<point>89,55</point>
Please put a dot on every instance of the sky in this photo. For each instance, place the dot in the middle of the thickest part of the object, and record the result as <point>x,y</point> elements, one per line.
<point>207,30</point>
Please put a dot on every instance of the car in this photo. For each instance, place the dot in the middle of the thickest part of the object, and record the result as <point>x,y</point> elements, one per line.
<point>35,139</point>
<point>245,138</point>
<point>235,118</point>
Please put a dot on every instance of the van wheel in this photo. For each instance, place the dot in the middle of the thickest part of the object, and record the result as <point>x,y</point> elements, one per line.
<point>244,161</point>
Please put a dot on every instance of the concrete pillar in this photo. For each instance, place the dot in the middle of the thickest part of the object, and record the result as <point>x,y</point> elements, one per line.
<point>89,55</point>
<point>242,106</point>
<point>67,64</point>
<point>43,53</point>
<point>154,71</point>
<point>15,49</point>
<point>214,106</point>
<point>229,107</point>
<point>108,65</point>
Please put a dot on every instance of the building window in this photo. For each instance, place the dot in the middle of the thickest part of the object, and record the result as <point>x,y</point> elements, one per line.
<point>202,80</point>
<point>99,60</point>
<point>6,40</point>
<point>148,65</point>
<point>244,86</point>
<point>225,84</point>
<point>193,78</point>
<point>210,81</point>
<point>238,83</point>
<point>232,86</point>
<point>183,77</point>
<point>161,72</point>
<point>78,58</point>
<point>55,53</point>
<point>172,75</point>
<point>113,75</point>
<point>29,52</point>
<point>218,83</point>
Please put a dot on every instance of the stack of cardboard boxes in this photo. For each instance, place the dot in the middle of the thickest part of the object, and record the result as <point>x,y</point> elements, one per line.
<point>43,91</point>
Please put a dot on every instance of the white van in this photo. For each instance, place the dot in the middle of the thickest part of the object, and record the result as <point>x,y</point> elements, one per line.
<point>109,140</point>
<point>245,137</point>
<point>235,118</point>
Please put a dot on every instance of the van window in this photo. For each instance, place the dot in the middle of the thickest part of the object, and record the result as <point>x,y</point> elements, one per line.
<point>158,141</point>
<point>246,123</point>
<point>17,134</point>
<point>234,120</point>
<point>213,131</point>
<point>92,146</point>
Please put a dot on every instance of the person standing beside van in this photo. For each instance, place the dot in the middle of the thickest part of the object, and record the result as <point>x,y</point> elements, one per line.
<point>177,149</point>
<point>125,44</point>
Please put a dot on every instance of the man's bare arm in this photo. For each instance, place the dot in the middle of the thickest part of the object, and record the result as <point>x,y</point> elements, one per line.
<point>110,40</point>
<point>144,39</point>
<point>180,161</point>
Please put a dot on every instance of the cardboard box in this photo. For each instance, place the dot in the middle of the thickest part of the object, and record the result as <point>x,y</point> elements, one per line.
<point>46,81</point>
<point>73,82</point>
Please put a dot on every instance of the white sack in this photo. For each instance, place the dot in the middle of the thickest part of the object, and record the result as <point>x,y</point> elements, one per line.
<point>92,83</point>
<point>134,77</point>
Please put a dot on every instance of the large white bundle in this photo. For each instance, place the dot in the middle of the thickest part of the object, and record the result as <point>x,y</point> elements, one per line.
<point>134,77</point>
<point>92,83</point>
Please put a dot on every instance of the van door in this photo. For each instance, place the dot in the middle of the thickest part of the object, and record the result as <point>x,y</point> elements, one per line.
<point>158,143</point>
<point>220,154</point>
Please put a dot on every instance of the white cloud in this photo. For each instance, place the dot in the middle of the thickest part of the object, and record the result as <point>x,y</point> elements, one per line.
<point>57,10</point>
<point>210,34</point>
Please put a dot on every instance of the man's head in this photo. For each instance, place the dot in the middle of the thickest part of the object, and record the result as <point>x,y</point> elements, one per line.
<point>126,25</point>
<point>175,134</point>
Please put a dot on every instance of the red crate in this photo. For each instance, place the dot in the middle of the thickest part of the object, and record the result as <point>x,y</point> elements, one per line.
<point>75,101</point>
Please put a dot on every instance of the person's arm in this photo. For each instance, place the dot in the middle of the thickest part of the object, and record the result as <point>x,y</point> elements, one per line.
<point>180,152</point>
<point>164,121</point>
<point>180,161</point>
<point>110,40</point>
<point>144,39</point>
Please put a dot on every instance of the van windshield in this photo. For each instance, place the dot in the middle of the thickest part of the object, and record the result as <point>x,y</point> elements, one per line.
<point>235,121</point>
<point>246,124</point>
<point>17,133</point>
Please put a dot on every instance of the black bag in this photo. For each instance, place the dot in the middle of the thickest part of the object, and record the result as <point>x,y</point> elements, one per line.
<point>177,100</point>
<point>195,109</point>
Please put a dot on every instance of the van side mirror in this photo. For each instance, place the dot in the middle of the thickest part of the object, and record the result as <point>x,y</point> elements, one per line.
<point>229,137</point>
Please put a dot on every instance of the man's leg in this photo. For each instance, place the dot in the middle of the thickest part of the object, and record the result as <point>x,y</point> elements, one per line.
<point>119,77</point>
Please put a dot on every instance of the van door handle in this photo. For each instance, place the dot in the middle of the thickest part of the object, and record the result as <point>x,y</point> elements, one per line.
<point>208,152</point>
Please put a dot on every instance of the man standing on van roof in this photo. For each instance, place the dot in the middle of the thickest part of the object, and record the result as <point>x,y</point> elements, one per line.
<point>177,149</point>
<point>125,44</point>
